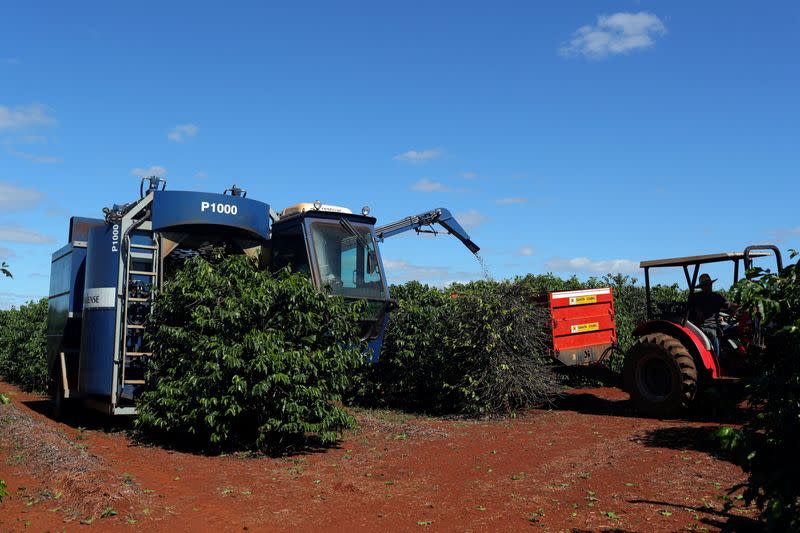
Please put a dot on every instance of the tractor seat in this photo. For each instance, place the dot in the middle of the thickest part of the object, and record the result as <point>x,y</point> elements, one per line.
<point>700,335</point>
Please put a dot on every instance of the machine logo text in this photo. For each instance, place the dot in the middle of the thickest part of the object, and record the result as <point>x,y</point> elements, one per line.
<point>115,238</point>
<point>225,209</point>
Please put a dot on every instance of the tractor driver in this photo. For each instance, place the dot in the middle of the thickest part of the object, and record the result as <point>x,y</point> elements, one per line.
<point>705,307</point>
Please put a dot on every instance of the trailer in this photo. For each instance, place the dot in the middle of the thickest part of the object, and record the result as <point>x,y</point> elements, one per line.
<point>103,280</point>
<point>583,325</point>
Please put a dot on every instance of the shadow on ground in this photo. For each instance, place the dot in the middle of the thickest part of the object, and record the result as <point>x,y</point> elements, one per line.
<point>81,418</point>
<point>699,439</point>
<point>725,521</point>
<point>591,404</point>
<point>596,375</point>
<point>87,419</point>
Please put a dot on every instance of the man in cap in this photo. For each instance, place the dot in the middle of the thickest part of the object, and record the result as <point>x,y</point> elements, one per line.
<point>705,307</point>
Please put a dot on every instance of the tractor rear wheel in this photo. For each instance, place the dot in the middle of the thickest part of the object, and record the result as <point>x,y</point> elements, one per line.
<point>660,375</point>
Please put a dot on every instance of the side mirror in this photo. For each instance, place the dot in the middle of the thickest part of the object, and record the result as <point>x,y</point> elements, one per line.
<point>372,262</point>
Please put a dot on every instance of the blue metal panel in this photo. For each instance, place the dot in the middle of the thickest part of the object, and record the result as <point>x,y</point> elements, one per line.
<point>65,302</point>
<point>374,346</point>
<point>67,275</point>
<point>77,279</point>
<point>79,228</point>
<point>141,237</point>
<point>57,323</point>
<point>100,310</point>
<point>61,271</point>
<point>172,209</point>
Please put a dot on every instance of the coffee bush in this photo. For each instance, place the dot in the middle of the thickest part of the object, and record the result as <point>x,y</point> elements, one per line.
<point>766,447</point>
<point>477,348</point>
<point>23,346</point>
<point>247,360</point>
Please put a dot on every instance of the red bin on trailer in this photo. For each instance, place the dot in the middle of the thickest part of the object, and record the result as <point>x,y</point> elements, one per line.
<point>583,325</point>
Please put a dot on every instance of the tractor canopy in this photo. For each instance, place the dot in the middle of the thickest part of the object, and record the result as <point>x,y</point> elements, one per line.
<point>691,265</point>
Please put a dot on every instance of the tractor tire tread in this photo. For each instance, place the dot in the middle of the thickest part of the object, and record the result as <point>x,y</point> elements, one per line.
<point>672,348</point>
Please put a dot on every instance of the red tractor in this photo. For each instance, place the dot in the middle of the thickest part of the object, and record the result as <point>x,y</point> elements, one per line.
<point>672,358</point>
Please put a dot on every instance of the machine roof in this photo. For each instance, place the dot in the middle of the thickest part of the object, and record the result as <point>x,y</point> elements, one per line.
<point>356,217</point>
<point>699,259</point>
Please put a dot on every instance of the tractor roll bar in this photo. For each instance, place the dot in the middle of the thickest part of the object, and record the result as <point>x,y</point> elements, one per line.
<point>748,260</point>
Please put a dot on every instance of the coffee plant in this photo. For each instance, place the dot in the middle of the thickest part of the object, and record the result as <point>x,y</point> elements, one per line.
<point>23,346</point>
<point>247,360</point>
<point>766,447</point>
<point>477,348</point>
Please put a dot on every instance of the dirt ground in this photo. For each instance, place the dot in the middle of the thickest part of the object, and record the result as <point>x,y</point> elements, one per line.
<point>586,464</point>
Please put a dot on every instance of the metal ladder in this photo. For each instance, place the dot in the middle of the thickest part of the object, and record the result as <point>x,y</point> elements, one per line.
<point>149,253</point>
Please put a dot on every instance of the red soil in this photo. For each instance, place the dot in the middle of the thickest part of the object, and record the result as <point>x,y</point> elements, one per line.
<point>588,464</point>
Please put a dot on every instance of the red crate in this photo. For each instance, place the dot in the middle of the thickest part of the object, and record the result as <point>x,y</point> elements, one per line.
<point>583,325</point>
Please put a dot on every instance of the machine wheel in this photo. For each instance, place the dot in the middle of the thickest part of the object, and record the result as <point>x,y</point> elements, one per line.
<point>660,375</point>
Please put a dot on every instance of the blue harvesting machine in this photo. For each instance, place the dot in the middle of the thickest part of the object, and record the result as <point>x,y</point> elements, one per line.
<point>102,281</point>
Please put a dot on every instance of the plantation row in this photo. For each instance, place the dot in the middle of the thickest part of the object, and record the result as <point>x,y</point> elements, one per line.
<point>474,348</point>
<point>244,343</point>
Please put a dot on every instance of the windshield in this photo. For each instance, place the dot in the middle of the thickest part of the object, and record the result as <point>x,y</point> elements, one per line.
<point>347,263</point>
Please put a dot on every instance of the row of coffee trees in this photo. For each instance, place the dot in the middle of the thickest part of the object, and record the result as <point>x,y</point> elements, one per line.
<point>4,272</point>
<point>248,360</point>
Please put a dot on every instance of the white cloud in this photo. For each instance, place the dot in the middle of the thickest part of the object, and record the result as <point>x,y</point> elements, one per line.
<point>511,200</point>
<point>24,116</point>
<point>469,175</point>
<point>155,170</point>
<point>619,33</point>
<point>401,271</point>
<point>426,185</point>
<point>22,235</point>
<point>13,198</point>
<point>414,156</point>
<point>6,253</point>
<point>526,251</point>
<point>782,235</point>
<point>471,219</point>
<point>55,211</point>
<point>181,132</point>
<point>200,175</point>
<point>584,264</point>
<point>47,159</point>
<point>10,61</point>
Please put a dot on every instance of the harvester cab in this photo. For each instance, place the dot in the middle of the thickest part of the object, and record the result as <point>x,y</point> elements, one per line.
<point>338,249</point>
<point>672,357</point>
<point>102,282</point>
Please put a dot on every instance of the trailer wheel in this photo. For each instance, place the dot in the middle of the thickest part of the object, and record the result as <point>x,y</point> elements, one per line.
<point>660,375</point>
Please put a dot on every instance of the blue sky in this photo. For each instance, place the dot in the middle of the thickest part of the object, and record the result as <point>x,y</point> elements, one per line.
<point>573,137</point>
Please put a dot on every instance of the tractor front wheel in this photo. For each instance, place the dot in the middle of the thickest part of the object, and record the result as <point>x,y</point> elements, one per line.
<point>660,375</point>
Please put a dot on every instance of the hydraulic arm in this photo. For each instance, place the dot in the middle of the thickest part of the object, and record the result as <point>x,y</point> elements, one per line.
<point>440,216</point>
